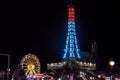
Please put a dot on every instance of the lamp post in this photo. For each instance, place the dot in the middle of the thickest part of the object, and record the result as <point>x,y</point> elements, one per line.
<point>112,64</point>
<point>8,67</point>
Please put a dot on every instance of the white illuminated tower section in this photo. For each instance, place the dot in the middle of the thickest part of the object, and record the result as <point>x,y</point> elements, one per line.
<point>71,50</point>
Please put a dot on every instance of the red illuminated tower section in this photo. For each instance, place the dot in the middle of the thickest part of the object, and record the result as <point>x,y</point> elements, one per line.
<point>71,13</point>
<point>71,49</point>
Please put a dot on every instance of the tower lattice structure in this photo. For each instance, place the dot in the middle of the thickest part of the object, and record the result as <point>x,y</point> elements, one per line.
<point>71,50</point>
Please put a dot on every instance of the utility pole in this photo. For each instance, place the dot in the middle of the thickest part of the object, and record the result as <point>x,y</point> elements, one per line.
<point>8,66</point>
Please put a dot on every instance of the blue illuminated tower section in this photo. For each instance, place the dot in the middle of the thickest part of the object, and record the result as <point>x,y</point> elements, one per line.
<point>71,50</point>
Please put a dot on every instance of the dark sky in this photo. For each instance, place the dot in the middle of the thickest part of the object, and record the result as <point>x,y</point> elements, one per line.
<point>40,27</point>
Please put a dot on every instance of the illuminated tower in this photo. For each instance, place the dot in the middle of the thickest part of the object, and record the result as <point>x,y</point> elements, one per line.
<point>71,50</point>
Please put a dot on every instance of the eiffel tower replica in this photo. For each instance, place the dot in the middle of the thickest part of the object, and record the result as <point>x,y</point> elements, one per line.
<point>72,54</point>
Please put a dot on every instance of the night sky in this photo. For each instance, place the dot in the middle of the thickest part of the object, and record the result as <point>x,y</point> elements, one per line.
<point>40,27</point>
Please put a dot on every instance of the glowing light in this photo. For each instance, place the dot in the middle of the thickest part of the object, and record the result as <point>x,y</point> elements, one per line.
<point>59,79</point>
<point>71,49</point>
<point>30,67</point>
<point>112,63</point>
<point>71,13</point>
<point>99,76</point>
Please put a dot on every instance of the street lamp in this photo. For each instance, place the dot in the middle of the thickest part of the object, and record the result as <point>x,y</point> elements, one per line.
<point>112,63</point>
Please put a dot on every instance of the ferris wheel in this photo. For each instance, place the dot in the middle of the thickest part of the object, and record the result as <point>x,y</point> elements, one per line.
<point>30,64</point>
